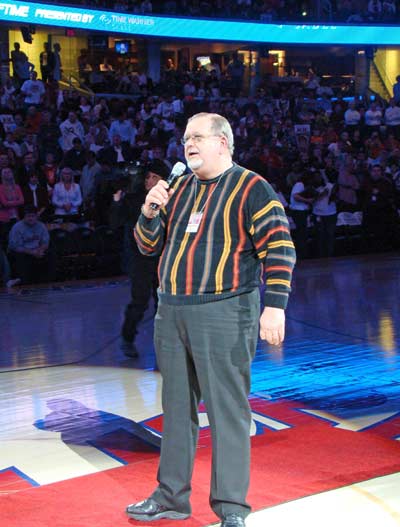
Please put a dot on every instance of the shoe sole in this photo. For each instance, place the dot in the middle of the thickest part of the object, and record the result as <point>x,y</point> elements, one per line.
<point>169,515</point>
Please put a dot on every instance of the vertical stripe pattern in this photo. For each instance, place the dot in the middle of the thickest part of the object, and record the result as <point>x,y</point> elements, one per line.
<point>243,227</point>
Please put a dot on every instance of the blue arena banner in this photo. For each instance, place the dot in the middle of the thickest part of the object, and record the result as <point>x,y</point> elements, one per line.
<point>204,29</point>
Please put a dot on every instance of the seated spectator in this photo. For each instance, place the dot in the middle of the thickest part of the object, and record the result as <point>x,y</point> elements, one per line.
<point>85,106</point>
<point>146,7</point>
<point>49,172</point>
<point>29,165</point>
<point>356,140</point>
<point>388,10</point>
<point>37,195</point>
<point>33,120</point>
<point>10,142</point>
<point>302,196</point>
<point>105,186</point>
<point>49,134</point>
<point>28,245</point>
<point>17,126</point>
<point>165,107</point>
<point>392,118</point>
<point>374,148</point>
<point>352,117</point>
<point>4,160</point>
<point>173,155</point>
<point>71,128</point>
<point>373,118</point>
<point>101,109</point>
<point>11,198</point>
<point>124,82</point>
<point>75,158</point>
<point>348,185</point>
<point>105,66</point>
<point>123,127</point>
<point>97,138</point>
<point>374,10</point>
<point>118,153</point>
<point>380,218</point>
<point>7,96</point>
<point>88,180</point>
<point>29,146</point>
<point>67,197</point>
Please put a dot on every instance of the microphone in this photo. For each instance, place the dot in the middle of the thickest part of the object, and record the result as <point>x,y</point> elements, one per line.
<point>177,170</point>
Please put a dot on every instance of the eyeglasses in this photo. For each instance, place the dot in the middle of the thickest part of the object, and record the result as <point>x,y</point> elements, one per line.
<point>197,138</point>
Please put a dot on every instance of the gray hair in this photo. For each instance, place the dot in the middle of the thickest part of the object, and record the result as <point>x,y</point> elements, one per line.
<point>219,126</point>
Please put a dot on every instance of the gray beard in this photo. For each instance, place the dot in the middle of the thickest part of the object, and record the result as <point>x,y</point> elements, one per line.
<point>195,164</point>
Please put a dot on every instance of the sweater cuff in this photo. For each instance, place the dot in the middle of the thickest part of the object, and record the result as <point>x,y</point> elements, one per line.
<point>272,299</point>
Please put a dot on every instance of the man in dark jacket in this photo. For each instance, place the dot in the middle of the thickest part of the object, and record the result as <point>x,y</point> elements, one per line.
<point>37,195</point>
<point>125,210</point>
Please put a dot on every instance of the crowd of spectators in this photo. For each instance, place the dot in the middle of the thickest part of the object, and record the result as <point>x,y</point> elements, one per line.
<point>67,154</point>
<point>351,11</point>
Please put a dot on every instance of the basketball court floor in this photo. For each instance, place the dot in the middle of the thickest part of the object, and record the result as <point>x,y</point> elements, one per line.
<point>64,383</point>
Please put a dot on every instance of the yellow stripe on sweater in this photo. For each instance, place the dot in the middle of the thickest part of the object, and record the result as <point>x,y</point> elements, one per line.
<point>144,238</point>
<point>266,209</point>
<point>227,234</point>
<point>182,248</point>
<point>280,243</point>
<point>277,281</point>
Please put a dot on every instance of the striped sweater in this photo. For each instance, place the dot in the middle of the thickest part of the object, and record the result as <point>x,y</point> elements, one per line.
<point>243,237</point>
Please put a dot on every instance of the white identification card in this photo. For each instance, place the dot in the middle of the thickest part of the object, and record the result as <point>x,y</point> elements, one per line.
<point>194,222</point>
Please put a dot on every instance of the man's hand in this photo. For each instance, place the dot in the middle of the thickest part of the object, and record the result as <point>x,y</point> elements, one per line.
<point>159,195</point>
<point>272,325</point>
<point>118,196</point>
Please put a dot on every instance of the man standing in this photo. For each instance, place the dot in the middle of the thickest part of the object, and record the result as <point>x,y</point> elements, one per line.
<point>57,69</point>
<point>46,59</point>
<point>33,91</point>
<point>18,57</point>
<point>215,231</point>
<point>124,211</point>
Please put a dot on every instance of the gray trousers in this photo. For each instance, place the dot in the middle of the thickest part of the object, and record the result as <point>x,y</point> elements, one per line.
<point>205,352</point>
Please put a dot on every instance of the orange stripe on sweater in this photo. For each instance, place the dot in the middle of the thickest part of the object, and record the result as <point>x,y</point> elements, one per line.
<point>278,268</point>
<point>163,255</point>
<point>242,236</point>
<point>270,233</point>
<point>190,257</point>
<point>139,242</point>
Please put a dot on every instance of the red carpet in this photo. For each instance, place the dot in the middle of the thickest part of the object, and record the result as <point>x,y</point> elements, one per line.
<point>286,465</point>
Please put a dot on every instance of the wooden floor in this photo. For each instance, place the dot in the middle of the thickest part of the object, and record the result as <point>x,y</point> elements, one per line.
<point>59,352</point>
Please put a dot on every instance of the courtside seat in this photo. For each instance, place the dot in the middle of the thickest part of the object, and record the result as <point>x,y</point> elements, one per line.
<point>110,249</point>
<point>89,250</point>
<point>65,252</point>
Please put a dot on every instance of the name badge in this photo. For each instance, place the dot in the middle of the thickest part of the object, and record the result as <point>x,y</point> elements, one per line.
<point>194,222</point>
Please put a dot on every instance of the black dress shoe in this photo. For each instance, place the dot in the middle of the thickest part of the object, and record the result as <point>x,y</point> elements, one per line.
<point>149,510</point>
<point>129,349</point>
<point>233,520</point>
